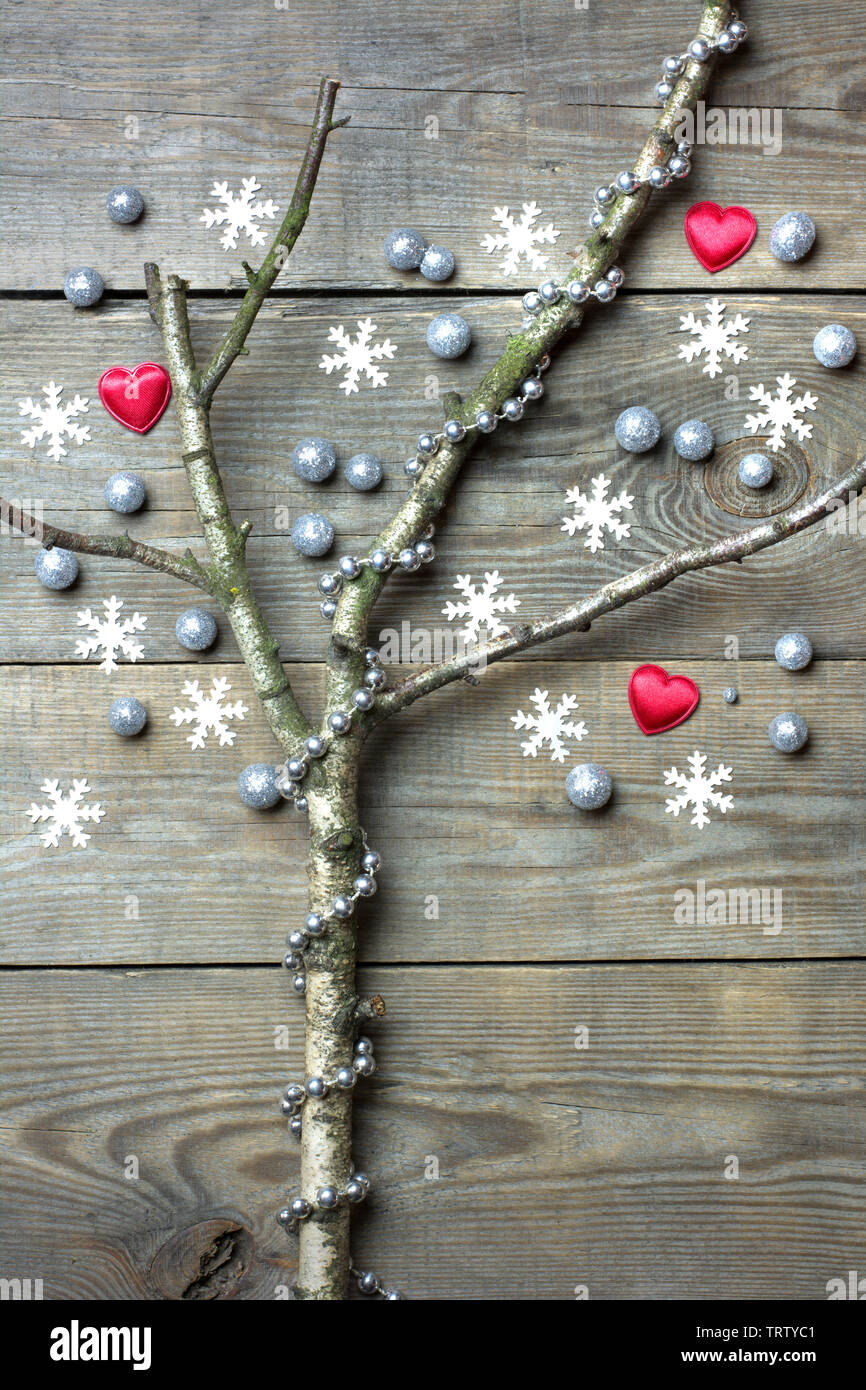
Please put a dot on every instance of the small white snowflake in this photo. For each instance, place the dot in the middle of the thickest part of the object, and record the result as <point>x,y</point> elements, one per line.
<point>65,811</point>
<point>55,420</point>
<point>781,412</point>
<point>597,513</point>
<point>698,789</point>
<point>714,337</point>
<point>520,238</point>
<point>239,213</point>
<point>357,355</point>
<point>111,634</point>
<point>209,713</point>
<point>480,607</point>
<point>549,726</point>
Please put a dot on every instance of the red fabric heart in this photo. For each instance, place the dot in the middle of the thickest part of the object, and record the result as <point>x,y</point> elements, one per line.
<point>717,236</point>
<point>659,701</point>
<point>136,398</point>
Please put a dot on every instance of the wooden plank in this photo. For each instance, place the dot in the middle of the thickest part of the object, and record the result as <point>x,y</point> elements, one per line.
<point>490,151</point>
<point>557,1167</point>
<point>507,511</point>
<point>484,857</point>
<point>206,57</point>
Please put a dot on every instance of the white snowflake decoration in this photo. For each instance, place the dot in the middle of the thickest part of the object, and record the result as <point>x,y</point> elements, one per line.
<point>597,513</point>
<point>481,607</point>
<point>111,634</point>
<point>698,789</point>
<point>520,238</point>
<point>55,420</point>
<point>549,726</point>
<point>239,213</point>
<point>715,337</point>
<point>781,412</point>
<point>65,811</point>
<point>209,713</point>
<point>357,356</point>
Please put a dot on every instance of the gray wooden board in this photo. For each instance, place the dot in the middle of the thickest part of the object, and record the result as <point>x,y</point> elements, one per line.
<point>484,857</point>
<point>508,508</point>
<point>557,1167</point>
<point>491,151</point>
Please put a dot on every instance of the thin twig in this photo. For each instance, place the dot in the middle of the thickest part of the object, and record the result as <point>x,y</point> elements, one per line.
<point>118,547</point>
<point>640,582</point>
<point>260,281</point>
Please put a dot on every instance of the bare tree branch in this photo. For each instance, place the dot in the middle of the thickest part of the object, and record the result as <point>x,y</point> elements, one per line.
<point>261,280</point>
<point>646,580</point>
<point>119,547</point>
<point>226,542</point>
<point>526,349</point>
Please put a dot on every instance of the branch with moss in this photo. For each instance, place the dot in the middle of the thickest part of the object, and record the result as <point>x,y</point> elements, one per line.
<point>641,582</point>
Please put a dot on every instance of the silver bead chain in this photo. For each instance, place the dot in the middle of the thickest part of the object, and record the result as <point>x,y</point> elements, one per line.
<point>342,907</point>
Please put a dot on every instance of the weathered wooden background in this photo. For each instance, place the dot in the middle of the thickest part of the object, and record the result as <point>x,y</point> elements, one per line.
<point>142,1003</point>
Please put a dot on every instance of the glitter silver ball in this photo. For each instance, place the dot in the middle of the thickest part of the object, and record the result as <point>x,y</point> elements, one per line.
<point>127,716</point>
<point>125,492</point>
<point>404,249</point>
<point>730,695</point>
<point>793,651</point>
<point>792,236</point>
<point>257,786</point>
<point>83,287</point>
<point>788,732</point>
<point>694,441</point>
<point>437,263</point>
<point>56,568</point>
<point>314,460</point>
<point>363,471</point>
<point>834,345</point>
<point>588,786</point>
<point>637,429</point>
<point>312,534</point>
<point>755,470</point>
<point>124,203</point>
<point>196,629</point>
<point>448,336</point>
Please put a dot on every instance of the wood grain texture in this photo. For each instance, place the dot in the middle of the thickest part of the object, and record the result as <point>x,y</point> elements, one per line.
<point>522,107</point>
<point>557,1167</point>
<point>491,151</point>
<point>469,829</point>
<point>508,508</point>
